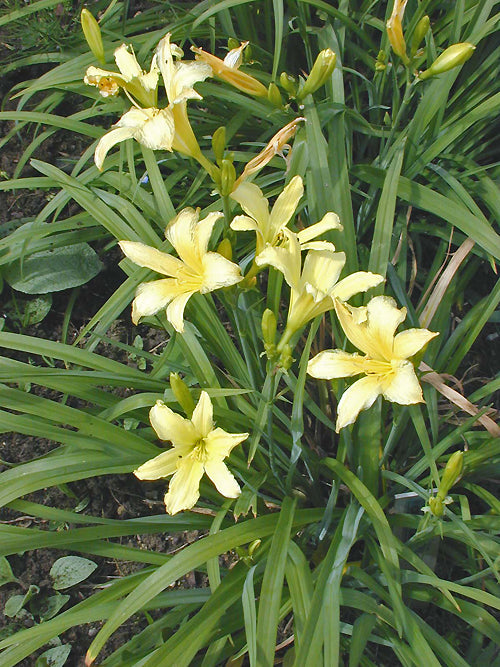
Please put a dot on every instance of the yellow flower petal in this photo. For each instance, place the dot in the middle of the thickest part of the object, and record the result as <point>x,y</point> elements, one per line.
<point>184,487</point>
<point>360,396</point>
<point>361,281</point>
<point>243,223</point>
<point>383,319</point>
<point>180,233</point>
<point>203,415</point>
<point>218,272</point>
<point>404,387</point>
<point>163,465</point>
<point>355,331</point>
<point>151,258</point>
<point>251,199</point>
<point>203,231</point>
<point>407,343</point>
<point>321,271</point>
<point>175,310</point>
<point>328,222</point>
<point>127,62</point>
<point>286,260</point>
<point>284,207</point>
<point>173,427</point>
<point>109,140</point>
<point>152,297</point>
<point>332,364</point>
<point>224,481</point>
<point>219,443</point>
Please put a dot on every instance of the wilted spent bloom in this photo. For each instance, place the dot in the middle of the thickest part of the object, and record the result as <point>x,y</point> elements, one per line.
<point>275,146</point>
<point>228,70</point>
<point>196,269</point>
<point>197,448</point>
<point>453,56</point>
<point>320,73</point>
<point>395,30</point>
<point>92,33</point>
<point>385,364</point>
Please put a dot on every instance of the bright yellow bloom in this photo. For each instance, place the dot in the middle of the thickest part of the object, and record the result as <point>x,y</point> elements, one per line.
<point>141,85</point>
<point>198,448</point>
<point>385,362</point>
<point>228,70</point>
<point>267,225</point>
<point>196,269</point>
<point>395,30</point>
<point>274,146</point>
<point>159,129</point>
<point>314,286</point>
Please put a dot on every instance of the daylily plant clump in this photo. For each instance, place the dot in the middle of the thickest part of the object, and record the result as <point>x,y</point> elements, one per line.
<point>312,268</point>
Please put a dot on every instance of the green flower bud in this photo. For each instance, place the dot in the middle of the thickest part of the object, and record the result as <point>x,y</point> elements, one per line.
<point>320,73</point>
<point>452,472</point>
<point>219,144</point>
<point>289,83</point>
<point>182,394</point>
<point>274,96</point>
<point>453,56</point>
<point>232,43</point>
<point>380,63</point>
<point>436,506</point>
<point>92,33</point>
<point>227,177</point>
<point>269,325</point>
<point>419,33</point>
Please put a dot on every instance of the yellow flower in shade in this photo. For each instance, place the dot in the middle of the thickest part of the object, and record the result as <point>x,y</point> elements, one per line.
<point>198,448</point>
<point>385,364</point>
<point>132,78</point>
<point>395,30</point>
<point>160,129</point>
<point>274,146</point>
<point>196,269</point>
<point>314,286</point>
<point>267,225</point>
<point>228,70</point>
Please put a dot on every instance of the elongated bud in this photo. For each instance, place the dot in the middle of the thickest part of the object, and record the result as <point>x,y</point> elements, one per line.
<point>227,177</point>
<point>274,96</point>
<point>451,473</point>
<point>219,144</point>
<point>419,33</point>
<point>225,249</point>
<point>92,33</point>
<point>394,28</point>
<point>182,394</point>
<point>289,83</point>
<point>269,325</point>
<point>321,71</point>
<point>453,56</point>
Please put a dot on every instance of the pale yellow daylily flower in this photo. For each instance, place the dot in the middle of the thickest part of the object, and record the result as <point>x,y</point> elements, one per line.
<point>315,286</point>
<point>132,78</point>
<point>267,225</point>
<point>198,447</point>
<point>196,269</point>
<point>395,30</point>
<point>388,372</point>
<point>160,129</point>
<point>228,70</point>
<point>274,146</point>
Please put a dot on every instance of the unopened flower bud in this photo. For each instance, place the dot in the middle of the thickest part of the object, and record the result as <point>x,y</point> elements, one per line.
<point>269,325</point>
<point>92,33</point>
<point>227,177</point>
<point>421,30</point>
<point>182,394</point>
<point>274,96</point>
<point>453,56</point>
<point>380,63</point>
<point>289,83</point>
<point>320,73</point>
<point>225,249</point>
<point>452,472</point>
<point>219,144</point>
<point>232,43</point>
